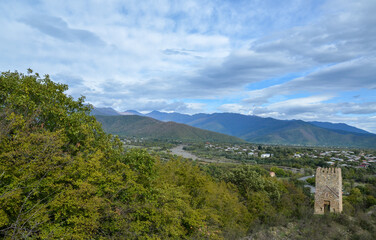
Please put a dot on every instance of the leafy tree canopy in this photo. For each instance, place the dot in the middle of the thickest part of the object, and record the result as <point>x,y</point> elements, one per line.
<point>62,176</point>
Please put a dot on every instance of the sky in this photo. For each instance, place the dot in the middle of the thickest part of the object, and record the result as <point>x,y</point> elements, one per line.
<point>313,60</point>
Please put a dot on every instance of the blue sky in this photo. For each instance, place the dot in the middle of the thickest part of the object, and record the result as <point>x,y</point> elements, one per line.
<point>294,59</point>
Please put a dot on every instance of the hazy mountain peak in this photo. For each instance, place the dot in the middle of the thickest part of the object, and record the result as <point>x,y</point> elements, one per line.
<point>131,112</point>
<point>339,126</point>
<point>105,111</point>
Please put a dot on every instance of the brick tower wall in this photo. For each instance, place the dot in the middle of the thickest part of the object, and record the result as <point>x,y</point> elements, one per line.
<point>328,190</point>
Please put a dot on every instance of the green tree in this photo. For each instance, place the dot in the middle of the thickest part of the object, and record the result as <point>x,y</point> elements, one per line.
<point>311,181</point>
<point>58,169</point>
<point>62,176</point>
<point>355,198</point>
<point>279,172</point>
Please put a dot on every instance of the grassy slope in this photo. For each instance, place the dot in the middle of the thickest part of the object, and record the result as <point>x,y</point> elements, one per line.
<point>151,128</point>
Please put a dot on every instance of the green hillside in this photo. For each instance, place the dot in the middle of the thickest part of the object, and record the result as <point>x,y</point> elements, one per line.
<point>146,127</point>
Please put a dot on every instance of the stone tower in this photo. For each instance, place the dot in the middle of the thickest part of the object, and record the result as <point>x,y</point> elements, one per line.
<point>328,195</point>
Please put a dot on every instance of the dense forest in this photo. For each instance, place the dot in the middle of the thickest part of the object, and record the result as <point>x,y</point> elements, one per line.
<point>63,177</point>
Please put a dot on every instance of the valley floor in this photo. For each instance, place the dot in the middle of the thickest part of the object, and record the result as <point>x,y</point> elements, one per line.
<point>179,151</point>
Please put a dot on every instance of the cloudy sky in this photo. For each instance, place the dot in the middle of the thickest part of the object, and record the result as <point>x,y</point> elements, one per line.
<point>293,59</point>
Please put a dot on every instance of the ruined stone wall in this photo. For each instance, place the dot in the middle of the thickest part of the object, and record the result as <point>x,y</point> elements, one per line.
<point>328,193</point>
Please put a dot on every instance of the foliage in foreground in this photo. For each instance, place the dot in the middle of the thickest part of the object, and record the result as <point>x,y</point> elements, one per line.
<point>61,176</point>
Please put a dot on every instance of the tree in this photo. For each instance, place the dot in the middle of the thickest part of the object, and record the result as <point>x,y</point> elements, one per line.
<point>62,176</point>
<point>58,169</point>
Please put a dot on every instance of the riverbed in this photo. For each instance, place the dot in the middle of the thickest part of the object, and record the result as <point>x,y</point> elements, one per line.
<point>178,150</point>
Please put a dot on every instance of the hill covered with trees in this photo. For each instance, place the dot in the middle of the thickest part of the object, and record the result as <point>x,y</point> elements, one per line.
<point>140,126</point>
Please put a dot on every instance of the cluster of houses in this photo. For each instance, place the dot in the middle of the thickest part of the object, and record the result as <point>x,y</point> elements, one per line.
<point>343,158</point>
<point>250,150</point>
<point>131,140</point>
<point>339,158</point>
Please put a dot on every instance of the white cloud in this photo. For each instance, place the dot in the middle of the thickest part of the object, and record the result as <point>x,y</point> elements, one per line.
<point>154,54</point>
<point>345,76</point>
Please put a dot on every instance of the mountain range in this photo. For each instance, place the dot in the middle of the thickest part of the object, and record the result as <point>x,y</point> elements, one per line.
<point>146,127</point>
<point>271,131</point>
<point>104,111</point>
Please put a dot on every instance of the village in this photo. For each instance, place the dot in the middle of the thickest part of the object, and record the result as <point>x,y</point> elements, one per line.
<point>266,154</point>
<point>339,157</point>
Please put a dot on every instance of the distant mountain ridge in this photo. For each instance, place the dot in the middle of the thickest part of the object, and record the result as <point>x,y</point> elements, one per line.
<point>141,126</point>
<point>339,126</point>
<point>107,111</point>
<point>273,131</point>
<point>131,112</point>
